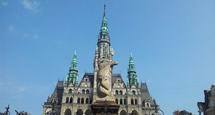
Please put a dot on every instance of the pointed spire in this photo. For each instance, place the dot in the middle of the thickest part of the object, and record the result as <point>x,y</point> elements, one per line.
<point>131,66</point>
<point>132,77</point>
<point>73,71</point>
<point>104,8</point>
<point>104,28</point>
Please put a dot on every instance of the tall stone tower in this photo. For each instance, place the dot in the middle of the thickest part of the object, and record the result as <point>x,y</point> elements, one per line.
<point>103,65</point>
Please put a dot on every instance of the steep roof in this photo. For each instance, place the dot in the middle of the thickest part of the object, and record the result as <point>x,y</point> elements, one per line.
<point>114,78</point>
<point>145,93</point>
<point>56,95</point>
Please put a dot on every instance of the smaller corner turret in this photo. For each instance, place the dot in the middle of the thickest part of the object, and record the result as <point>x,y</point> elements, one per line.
<point>132,77</point>
<point>73,72</point>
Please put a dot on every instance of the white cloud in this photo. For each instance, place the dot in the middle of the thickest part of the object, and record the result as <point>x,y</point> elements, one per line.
<point>21,89</point>
<point>4,2</point>
<point>11,28</point>
<point>32,5</point>
<point>31,36</point>
<point>35,36</point>
<point>26,35</point>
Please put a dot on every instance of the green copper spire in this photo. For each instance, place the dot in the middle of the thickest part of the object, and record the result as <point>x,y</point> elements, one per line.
<point>73,71</point>
<point>132,77</point>
<point>131,66</point>
<point>104,28</point>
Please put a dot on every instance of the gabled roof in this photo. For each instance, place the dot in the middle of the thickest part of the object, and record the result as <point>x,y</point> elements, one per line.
<point>145,93</point>
<point>114,78</point>
<point>57,94</point>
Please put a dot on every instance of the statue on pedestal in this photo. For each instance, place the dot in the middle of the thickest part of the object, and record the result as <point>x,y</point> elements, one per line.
<point>104,79</point>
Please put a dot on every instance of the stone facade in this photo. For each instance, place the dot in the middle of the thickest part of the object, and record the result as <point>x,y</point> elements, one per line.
<point>208,107</point>
<point>71,98</point>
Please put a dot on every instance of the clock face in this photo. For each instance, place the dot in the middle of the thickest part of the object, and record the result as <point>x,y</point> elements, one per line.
<point>104,28</point>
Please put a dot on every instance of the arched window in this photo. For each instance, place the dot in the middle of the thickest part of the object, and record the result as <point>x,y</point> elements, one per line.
<point>83,91</point>
<point>123,112</point>
<point>132,101</point>
<point>79,112</point>
<point>120,101</point>
<point>67,100</point>
<point>82,100</point>
<point>136,101</point>
<point>91,101</point>
<point>87,91</point>
<point>120,92</point>
<point>116,101</point>
<point>87,101</point>
<point>134,112</point>
<point>116,92</point>
<point>70,90</point>
<point>78,100</point>
<point>68,112</point>
<point>134,92</point>
<point>88,112</point>
<point>71,100</point>
<point>125,102</point>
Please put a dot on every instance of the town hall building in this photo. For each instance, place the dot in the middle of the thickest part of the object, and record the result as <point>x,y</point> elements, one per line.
<point>101,92</point>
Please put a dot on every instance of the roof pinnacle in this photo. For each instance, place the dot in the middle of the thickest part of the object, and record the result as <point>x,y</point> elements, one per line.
<point>104,8</point>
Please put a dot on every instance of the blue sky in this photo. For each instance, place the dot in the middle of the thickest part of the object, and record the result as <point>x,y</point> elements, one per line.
<point>172,42</point>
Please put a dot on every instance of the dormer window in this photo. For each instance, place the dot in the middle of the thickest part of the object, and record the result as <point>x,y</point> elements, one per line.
<point>83,91</point>
<point>134,92</point>
<point>70,90</point>
<point>87,91</point>
<point>116,92</point>
<point>120,92</point>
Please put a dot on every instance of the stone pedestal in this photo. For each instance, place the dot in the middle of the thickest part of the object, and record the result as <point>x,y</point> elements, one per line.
<point>105,108</point>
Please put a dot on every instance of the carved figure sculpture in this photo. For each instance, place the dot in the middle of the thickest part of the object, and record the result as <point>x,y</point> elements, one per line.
<point>104,78</point>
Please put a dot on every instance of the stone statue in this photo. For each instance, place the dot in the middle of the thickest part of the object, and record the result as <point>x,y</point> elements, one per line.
<point>104,78</point>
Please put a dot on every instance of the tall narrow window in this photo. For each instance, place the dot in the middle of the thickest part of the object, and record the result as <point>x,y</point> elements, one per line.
<point>87,101</point>
<point>91,100</point>
<point>67,100</point>
<point>120,101</point>
<point>116,101</point>
<point>125,102</point>
<point>70,90</point>
<point>132,101</point>
<point>120,92</point>
<point>134,92</point>
<point>87,91</point>
<point>83,91</point>
<point>71,100</point>
<point>116,92</point>
<point>82,100</point>
<point>78,100</point>
<point>136,101</point>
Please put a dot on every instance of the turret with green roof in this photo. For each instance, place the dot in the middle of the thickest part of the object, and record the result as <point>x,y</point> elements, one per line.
<point>132,77</point>
<point>73,71</point>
